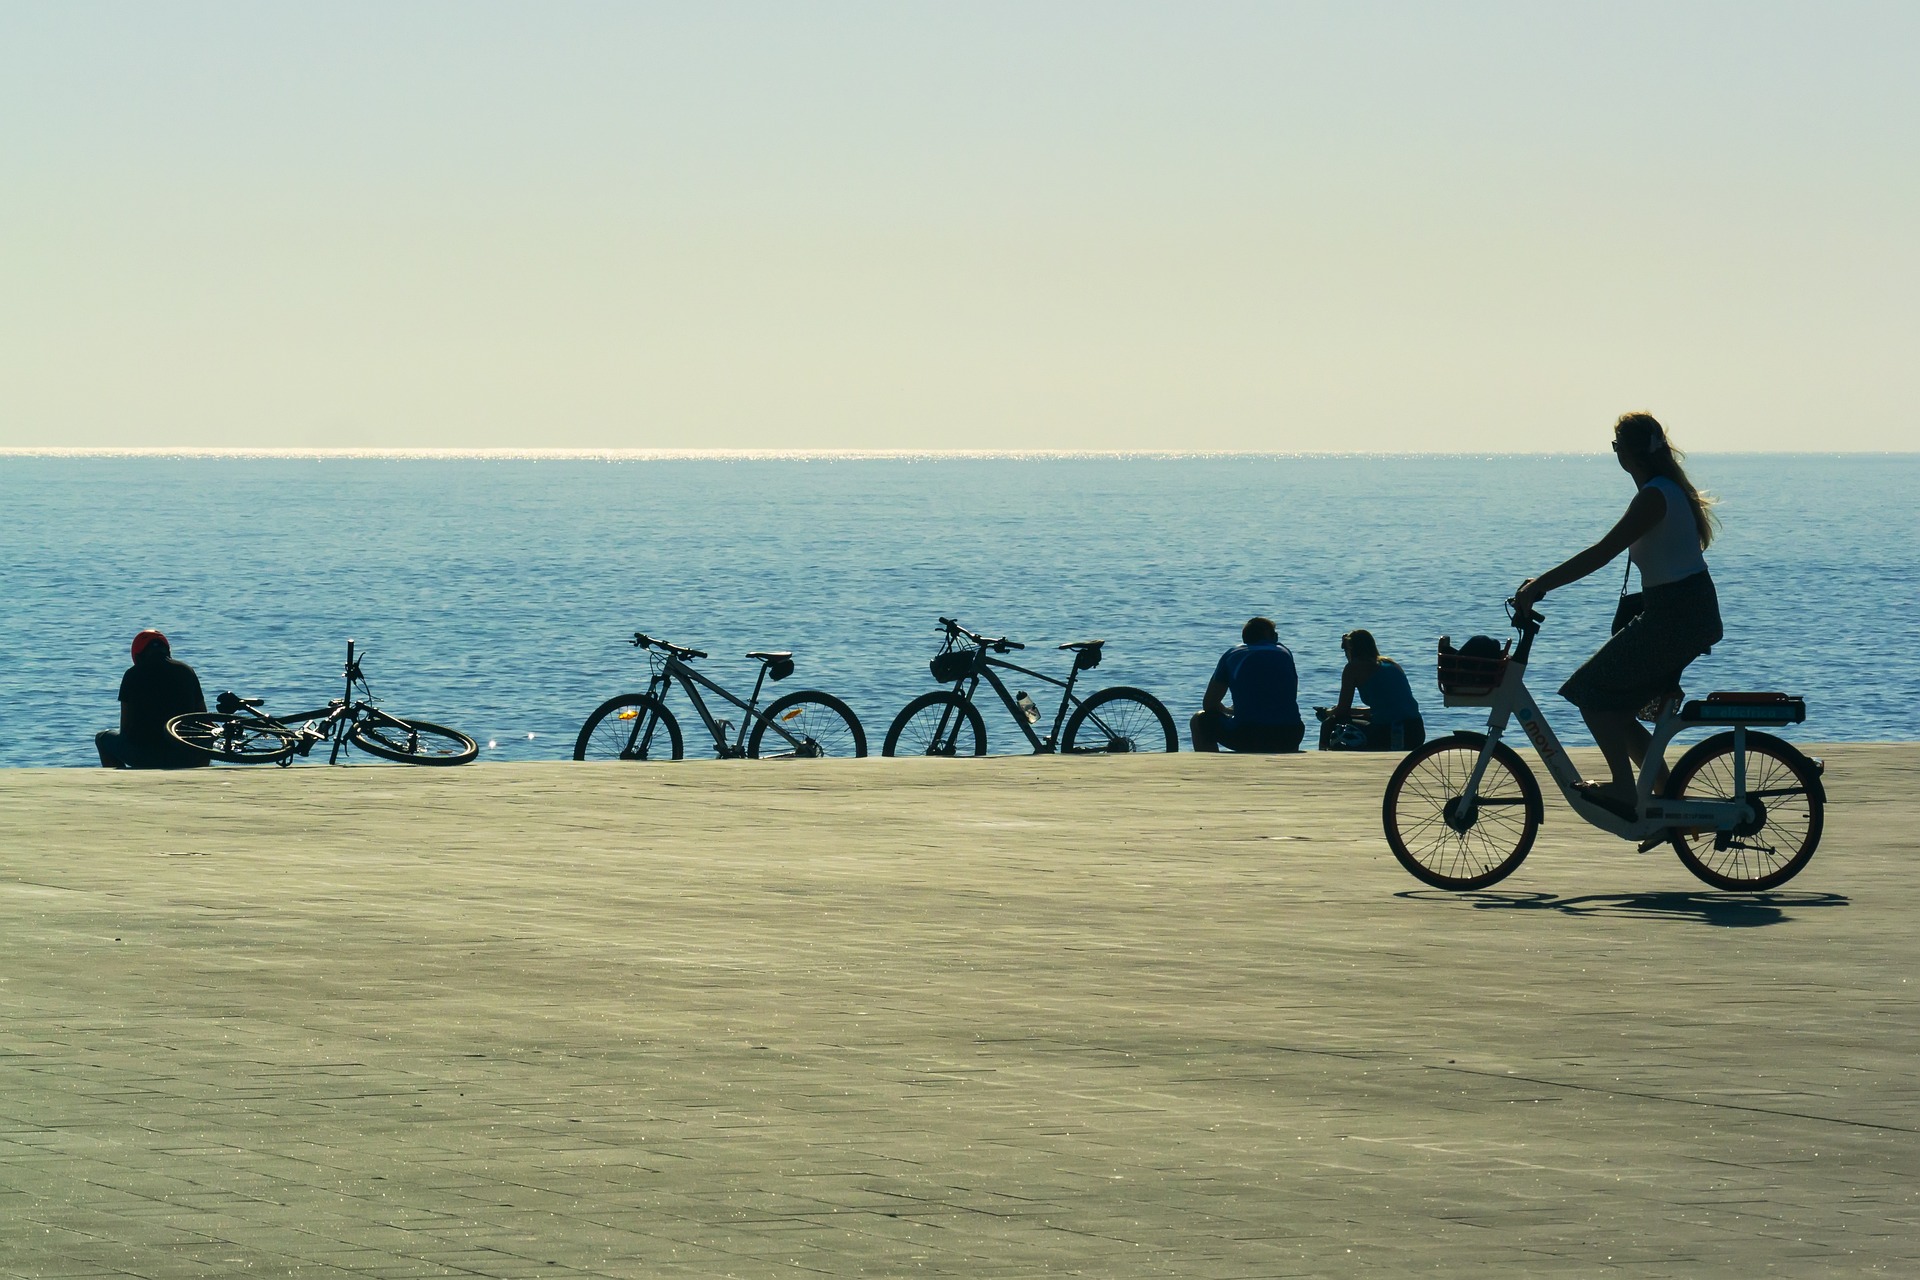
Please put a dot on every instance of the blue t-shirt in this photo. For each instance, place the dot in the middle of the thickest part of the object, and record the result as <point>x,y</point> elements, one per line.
<point>1386,694</point>
<point>1263,682</point>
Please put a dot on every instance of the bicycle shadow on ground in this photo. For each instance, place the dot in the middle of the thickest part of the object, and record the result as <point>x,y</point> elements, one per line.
<point>1719,910</point>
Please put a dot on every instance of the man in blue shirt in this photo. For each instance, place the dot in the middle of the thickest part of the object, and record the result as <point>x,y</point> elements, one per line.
<point>1265,715</point>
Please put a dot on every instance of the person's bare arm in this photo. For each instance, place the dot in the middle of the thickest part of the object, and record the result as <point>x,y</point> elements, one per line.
<point>1642,514</point>
<point>1216,699</point>
<point>1349,685</point>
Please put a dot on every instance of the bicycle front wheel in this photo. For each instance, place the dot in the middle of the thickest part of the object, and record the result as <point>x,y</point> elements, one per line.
<point>234,739</point>
<point>413,741</point>
<point>1120,720</point>
<point>941,723</point>
<point>1789,810</point>
<point>633,726</point>
<point>1447,842</point>
<point>806,726</point>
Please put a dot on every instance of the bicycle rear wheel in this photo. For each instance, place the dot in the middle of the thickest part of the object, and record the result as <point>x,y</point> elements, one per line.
<point>234,739</point>
<point>633,726</point>
<point>1120,720</point>
<point>805,726</point>
<point>413,741</point>
<point>1444,841</point>
<point>1789,807</point>
<point>941,723</point>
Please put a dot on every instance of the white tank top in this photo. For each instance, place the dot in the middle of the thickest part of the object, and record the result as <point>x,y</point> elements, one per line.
<point>1670,550</point>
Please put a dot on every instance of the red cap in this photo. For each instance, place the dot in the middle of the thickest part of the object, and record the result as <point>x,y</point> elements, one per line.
<point>147,637</point>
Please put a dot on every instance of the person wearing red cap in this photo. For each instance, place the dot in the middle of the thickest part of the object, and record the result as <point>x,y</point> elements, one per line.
<point>156,688</point>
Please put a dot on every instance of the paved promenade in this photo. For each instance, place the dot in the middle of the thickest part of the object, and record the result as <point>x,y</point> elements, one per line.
<point>1180,1017</point>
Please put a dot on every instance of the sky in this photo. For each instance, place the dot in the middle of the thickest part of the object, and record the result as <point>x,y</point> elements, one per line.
<point>1081,226</point>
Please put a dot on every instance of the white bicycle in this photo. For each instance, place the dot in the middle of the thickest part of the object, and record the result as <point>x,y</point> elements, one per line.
<point>1743,809</point>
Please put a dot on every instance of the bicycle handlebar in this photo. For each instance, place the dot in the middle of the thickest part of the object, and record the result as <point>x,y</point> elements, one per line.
<point>1523,619</point>
<point>641,640</point>
<point>999,644</point>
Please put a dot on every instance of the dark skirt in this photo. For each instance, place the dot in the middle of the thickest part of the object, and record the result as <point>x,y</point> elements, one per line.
<point>1644,659</point>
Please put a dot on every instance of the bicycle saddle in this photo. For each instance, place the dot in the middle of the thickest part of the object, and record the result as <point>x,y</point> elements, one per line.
<point>1083,644</point>
<point>771,655</point>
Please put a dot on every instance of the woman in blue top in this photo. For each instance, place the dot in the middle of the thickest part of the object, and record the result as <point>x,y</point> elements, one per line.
<point>1390,719</point>
<point>1665,529</point>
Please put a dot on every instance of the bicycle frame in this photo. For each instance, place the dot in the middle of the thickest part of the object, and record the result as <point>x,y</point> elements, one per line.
<point>983,668</point>
<point>332,722</point>
<point>1511,700</point>
<point>673,669</point>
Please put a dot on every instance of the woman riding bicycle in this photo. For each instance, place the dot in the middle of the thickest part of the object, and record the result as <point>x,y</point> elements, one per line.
<point>1665,529</point>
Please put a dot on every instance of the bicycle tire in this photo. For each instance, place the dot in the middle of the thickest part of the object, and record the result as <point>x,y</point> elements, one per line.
<point>940,734</point>
<point>825,725</point>
<point>602,737</point>
<point>1791,800</point>
<point>413,741</point>
<point>1423,823</point>
<point>1125,720</point>
<point>233,739</point>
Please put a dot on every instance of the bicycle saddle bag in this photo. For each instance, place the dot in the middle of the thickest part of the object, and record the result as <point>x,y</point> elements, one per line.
<point>951,666</point>
<point>1086,659</point>
<point>780,668</point>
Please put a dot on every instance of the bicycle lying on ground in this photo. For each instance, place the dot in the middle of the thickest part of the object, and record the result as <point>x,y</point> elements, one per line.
<point>240,733</point>
<point>946,723</point>
<point>637,726</point>
<point>1743,809</point>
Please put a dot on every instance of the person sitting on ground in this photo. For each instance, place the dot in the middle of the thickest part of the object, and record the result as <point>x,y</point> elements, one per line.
<point>1389,720</point>
<point>156,688</point>
<point>1265,715</point>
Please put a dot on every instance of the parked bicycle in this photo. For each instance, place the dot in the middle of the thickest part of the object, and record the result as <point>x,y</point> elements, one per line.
<point>638,726</point>
<point>239,732</point>
<point>946,723</point>
<point>1743,809</point>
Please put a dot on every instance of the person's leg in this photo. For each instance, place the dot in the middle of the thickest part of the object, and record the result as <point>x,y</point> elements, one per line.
<point>108,745</point>
<point>1204,731</point>
<point>1638,740</point>
<point>1288,737</point>
<point>1616,733</point>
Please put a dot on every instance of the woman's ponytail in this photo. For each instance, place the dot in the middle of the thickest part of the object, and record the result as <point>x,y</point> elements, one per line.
<point>1642,438</point>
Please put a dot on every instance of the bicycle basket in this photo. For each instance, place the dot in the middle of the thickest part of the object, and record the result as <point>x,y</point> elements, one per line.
<point>1475,668</point>
<point>952,665</point>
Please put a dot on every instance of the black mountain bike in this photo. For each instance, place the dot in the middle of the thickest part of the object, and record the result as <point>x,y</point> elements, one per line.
<point>239,732</point>
<point>946,723</point>
<point>637,726</point>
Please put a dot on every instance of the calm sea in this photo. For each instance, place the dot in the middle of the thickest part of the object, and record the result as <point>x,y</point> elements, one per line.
<point>497,595</point>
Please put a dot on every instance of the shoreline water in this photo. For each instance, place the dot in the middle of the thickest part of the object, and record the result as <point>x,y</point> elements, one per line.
<point>589,454</point>
<point>496,596</point>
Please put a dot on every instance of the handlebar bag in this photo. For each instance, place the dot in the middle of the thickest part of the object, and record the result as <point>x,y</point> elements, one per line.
<point>952,665</point>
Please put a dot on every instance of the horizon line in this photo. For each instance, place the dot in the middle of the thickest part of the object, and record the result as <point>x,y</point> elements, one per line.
<point>509,454</point>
